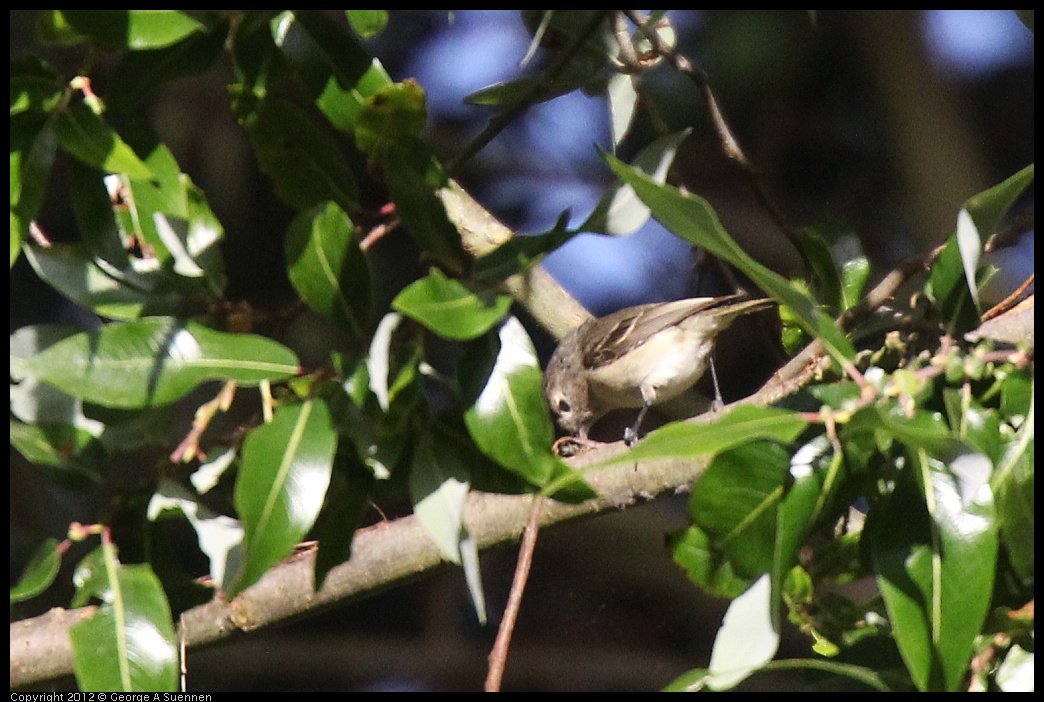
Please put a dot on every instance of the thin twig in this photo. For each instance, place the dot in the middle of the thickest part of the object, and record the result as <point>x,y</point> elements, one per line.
<point>547,77</point>
<point>1008,302</point>
<point>729,143</point>
<point>498,656</point>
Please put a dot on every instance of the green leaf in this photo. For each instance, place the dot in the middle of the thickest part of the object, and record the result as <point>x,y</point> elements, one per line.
<point>954,278</point>
<point>258,64</point>
<point>439,485</point>
<point>32,155</point>
<point>521,252</point>
<point>620,212</point>
<point>219,536</point>
<point>936,574</point>
<point>694,550</point>
<point>89,281</point>
<point>169,222</point>
<point>623,104</point>
<point>367,23</point>
<point>1013,483</point>
<point>392,118</point>
<point>39,573</point>
<point>535,88</point>
<point>283,478</point>
<point>90,578</point>
<point>693,219</point>
<point>948,290</point>
<point>155,361</point>
<point>169,216</point>
<point>76,453</point>
<point>87,137</point>
<point>448,308</point>
<point>508,420</point>
<point>335,66</point>
<point>304,161</point>
<point>690,681</point>
<point>139,73</point>
<point>35,87</point>
<point>341,50</point>
<point>921,429</point>
<point>53,28</point>
<point>739,426</point>
<point>388,129</point>
<point>129,644</point>
<point>133,29</point>
<point>988,208</point>
<point>327,268</point>
<point>42,404</point>
<point>737,504</point>
<point>979,218</point>
<point>840,267</point>
<point>748,637</point>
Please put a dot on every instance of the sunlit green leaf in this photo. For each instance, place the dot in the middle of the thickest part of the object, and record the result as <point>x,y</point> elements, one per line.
<point>367,23</point>
<point>283,477</point>
<point>440,480</point>
<point>508,420</point>
<point>620,211</point>
<point>341,50</point>
<point>86,136</point>
<point>737,427</point>
<point>327,268</point>
<point>623,103</point>
<point>840,268</point>
<point>133,29</point>
<point>936,573</point>
<point>89,281</point>
<point>392,118</point>
<point>155,361</point>
<point>693,219</point>
<point>128,644</point>
<point>449,308</point>
<point>955,272</point>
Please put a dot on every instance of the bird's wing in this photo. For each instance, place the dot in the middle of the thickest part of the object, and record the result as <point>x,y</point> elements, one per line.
<point>631,327</point>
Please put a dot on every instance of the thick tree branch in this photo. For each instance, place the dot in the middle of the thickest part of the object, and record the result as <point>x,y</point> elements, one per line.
<point>382,555</point>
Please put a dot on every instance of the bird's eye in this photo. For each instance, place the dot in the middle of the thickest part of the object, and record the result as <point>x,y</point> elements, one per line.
<point>563,405</point>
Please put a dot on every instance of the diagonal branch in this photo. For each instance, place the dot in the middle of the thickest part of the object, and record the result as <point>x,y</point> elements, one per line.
<point>382,555</point>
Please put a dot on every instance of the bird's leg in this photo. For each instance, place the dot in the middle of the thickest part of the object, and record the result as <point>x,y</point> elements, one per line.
<point>631,432</point>
<point>717,403</point>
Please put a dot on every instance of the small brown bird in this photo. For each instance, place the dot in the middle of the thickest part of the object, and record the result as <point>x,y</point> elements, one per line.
<point>637,357</point>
